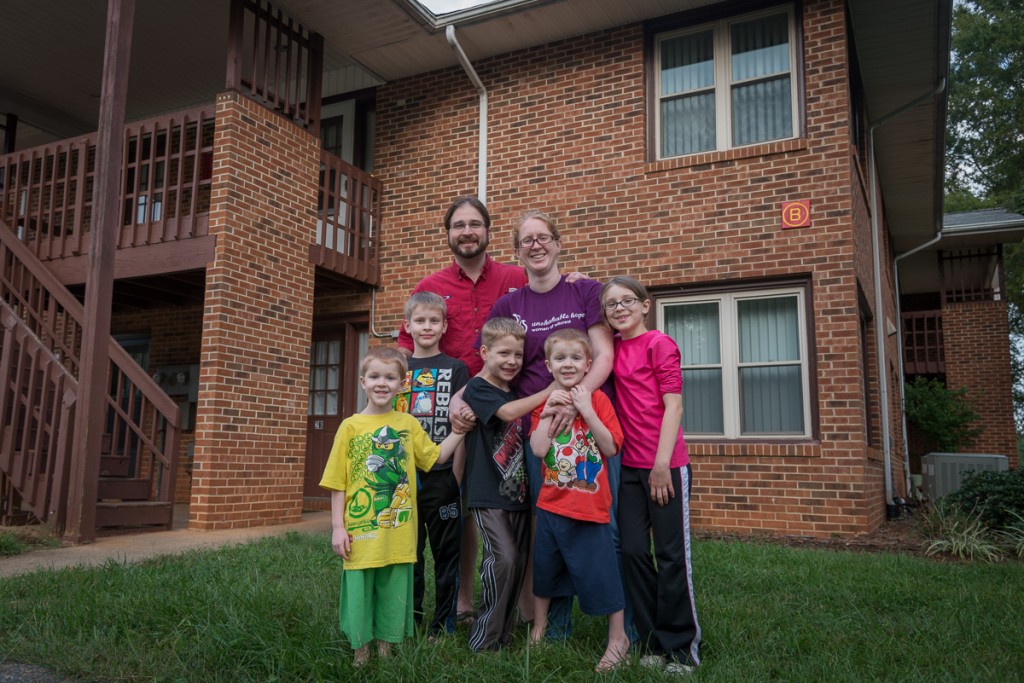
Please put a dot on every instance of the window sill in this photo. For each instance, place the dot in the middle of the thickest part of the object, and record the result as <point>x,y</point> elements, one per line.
<point>708,158</point>
<point>808,448</point>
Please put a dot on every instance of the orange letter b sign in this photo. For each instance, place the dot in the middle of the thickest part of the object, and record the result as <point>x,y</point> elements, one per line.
<point>796,214</point>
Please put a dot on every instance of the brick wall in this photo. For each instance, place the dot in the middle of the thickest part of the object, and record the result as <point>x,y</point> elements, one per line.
<point>976,337</point>
<point>567,134</point>
<point>342,302</point>
<point>250,434</point>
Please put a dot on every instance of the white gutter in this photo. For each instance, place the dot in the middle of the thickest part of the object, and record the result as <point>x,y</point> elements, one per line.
<point>876,253</point>
<point>984,229</point>
<point>481,187</point>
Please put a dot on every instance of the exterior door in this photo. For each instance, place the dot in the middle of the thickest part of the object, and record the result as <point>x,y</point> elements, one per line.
<point>333,393</point>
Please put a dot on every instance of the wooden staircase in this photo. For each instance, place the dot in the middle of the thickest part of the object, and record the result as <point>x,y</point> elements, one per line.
<point>41,327</point>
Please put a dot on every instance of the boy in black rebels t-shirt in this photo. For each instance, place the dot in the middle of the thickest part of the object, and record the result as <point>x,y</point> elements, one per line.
<point>432,379</point>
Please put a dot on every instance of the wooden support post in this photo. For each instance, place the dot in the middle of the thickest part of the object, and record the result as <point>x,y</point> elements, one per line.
<point>315,78</point>
<point>90,416</point>
<point>10,133</point>
<point>236,24</point>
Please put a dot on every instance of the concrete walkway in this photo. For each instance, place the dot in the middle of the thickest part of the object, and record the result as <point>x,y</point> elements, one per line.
<point>142,546</point>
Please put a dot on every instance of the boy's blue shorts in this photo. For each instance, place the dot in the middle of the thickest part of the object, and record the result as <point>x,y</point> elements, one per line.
<point>571,557</point>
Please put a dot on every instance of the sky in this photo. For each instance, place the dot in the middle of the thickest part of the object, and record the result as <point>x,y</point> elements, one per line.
<point>438,7</point>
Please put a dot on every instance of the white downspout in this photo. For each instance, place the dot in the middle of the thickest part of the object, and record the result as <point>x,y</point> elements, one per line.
<point>876,253</point>
<point>481,186</point>
<point>899,356</point>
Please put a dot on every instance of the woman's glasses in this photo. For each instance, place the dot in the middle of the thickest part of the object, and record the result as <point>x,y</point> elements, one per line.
<point>627,303</point>
<point>539,239</point>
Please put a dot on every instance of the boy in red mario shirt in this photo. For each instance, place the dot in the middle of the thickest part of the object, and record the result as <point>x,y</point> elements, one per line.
<point>574,551</point>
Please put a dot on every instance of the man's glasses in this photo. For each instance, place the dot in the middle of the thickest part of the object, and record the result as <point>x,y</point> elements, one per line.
<point>627,303</point>
<point>472,225</point>
<point>539,239</point>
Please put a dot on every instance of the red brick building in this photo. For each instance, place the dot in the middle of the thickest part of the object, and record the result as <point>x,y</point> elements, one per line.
<point>762,167</point>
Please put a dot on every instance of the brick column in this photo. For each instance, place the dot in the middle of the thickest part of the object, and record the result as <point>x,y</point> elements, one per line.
<point>251,425</point>
<point>976,337</point>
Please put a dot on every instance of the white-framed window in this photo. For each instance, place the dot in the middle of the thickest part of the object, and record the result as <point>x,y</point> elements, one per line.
<point>744,362</point>
<point>726,84</point>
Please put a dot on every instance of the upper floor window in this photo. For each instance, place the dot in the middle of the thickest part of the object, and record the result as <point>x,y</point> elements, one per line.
<point>726,84</point>
<point>744,362</point>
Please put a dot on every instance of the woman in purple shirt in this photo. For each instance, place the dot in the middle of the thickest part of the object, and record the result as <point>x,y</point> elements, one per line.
<point>548,303</point>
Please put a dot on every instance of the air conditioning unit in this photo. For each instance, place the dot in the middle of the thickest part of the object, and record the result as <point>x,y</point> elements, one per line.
<point>944,472</point>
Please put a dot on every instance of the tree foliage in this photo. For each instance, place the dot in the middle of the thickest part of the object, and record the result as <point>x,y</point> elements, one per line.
<point>985,137</point>
<point>985,143</point>
<point>945,416</point>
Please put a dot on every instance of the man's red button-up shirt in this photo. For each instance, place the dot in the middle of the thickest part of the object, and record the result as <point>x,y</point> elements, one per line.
<point>468,304</point>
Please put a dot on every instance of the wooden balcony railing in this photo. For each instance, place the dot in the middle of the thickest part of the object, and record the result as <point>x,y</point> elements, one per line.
<point>46,196</point>
<point>972,274</point>
<point>275,60</point>
<point>348,219</point>
<point>923,352</point>
<point>46,193</point>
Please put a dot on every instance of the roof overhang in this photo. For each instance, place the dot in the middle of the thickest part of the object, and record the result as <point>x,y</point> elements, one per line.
<point>903,50</point>
<point>51,80</point>
<point>969,230</point>
<point>983,228</point>
<point>395,39</point>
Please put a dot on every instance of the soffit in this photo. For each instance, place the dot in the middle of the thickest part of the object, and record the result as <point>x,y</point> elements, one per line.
<point>391,40</point>
<point>52,56</point>
<point>903,53</point>
<point>52,50</point>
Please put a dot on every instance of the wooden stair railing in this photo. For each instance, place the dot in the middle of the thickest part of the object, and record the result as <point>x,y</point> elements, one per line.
<point>37,406</point>
<point>42,331</point>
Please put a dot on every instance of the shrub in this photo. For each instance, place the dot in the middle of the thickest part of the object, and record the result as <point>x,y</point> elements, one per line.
<point>996,497</point>
<point>944,415</point>
<point>1012,537</point>
<point>949,529</point>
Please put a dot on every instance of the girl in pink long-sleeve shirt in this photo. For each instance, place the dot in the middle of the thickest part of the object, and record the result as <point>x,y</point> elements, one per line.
<point>654,497</point>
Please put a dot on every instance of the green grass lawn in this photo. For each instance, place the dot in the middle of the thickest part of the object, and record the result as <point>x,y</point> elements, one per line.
<point>22,539</point>
<point>267,611</point>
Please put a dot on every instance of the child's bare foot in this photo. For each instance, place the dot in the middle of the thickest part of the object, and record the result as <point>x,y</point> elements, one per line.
<point>361,657</point>
<point>616,655</point>
<point>537,629</point>
<point>383,648</point>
